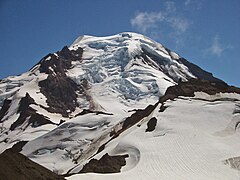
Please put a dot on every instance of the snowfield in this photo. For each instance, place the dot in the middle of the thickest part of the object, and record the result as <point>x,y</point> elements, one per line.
<point>190,142</point>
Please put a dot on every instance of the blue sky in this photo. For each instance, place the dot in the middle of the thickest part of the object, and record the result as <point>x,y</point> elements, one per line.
<point>206,32</point>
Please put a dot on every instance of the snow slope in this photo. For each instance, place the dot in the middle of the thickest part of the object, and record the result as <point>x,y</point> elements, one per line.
<point>190,142</point>
<point>98,95</point>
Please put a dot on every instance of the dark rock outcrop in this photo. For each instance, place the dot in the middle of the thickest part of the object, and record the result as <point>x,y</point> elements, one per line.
<point>61,91</point>
<point>18,146</point>
<point>162,108</point>
<point>29,114</point>
<point>196,85</point>
<point>194,69</point>
<point>4,109</point>
<point>14,165</point>
<point>161,61</point>
<point>151,124</point>
<point>137,116</point>
<point>60,61</point>
<point>88,111</point>
<point>199,72</point>
<point>107,164</point>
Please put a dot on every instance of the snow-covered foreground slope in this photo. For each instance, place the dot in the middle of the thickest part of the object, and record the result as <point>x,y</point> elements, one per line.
<point>192,139</point>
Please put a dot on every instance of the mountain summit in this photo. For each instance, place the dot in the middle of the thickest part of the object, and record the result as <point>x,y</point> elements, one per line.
<point>122,103</point>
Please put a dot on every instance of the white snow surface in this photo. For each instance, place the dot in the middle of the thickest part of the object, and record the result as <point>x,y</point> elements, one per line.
<point>189,142</point>
<point>113,66</point>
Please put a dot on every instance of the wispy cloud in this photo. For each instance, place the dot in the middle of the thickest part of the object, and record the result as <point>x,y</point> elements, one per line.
<point>144,21</point>
<point>216,48</point>
<point>179,24</point>
<point>167,21</point>
<point>196,3</point>
<point>170,6</point>
<point>187,2</point>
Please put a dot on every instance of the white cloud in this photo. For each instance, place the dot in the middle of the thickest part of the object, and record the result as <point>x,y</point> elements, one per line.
<point>187,2</point>
<point>216,48</point>
<point>144,21</point>
<point>170,6</point>
<point>179,24</point>
<point>167,22</point>
<point>196,3</point>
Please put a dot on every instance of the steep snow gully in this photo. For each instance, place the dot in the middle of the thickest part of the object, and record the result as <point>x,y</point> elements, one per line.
<point>122,107</point>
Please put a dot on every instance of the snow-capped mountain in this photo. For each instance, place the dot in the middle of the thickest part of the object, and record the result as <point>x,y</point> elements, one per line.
<point>122,103</point>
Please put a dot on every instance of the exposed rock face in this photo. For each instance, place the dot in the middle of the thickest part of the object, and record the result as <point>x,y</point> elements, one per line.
<point>29,115</point>
<point>107,164</point>
<point>18,146</point>
<point>196,85</point>
<point>87,111</point>
<point>137,116</point>
<point>198,72</point>
<point>14,165</point>
<point>194,69</point>
<point>160,61</point>
<point>60,61</point>
<point>151,124</point>
<point>5,107</point>
<point>61,91</point>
